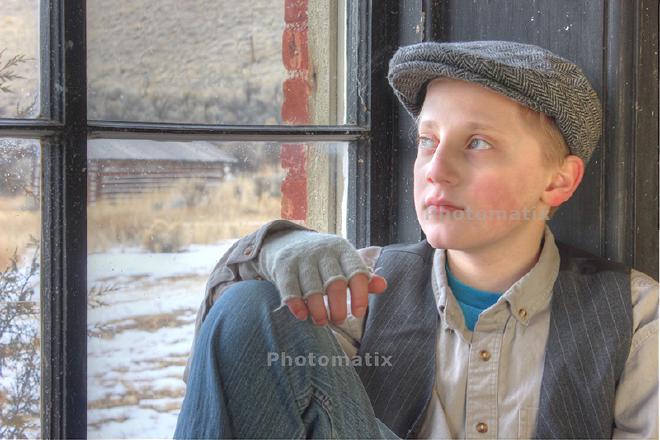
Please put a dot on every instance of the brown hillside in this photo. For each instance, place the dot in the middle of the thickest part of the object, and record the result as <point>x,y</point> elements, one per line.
<point>205,61</point>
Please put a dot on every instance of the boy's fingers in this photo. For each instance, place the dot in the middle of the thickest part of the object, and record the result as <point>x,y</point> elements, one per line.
<point>377,284</point>
<point>359,284</point>
<point>298,307</point>
<point>316,307</point>
<point>337,301</point>
<point>360,288</point>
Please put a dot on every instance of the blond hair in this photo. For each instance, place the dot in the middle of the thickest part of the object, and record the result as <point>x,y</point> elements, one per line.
<point>554,148</point>
<point>553,143</point>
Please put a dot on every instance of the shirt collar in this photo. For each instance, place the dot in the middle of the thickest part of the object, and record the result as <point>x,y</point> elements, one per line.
<point>526,297</point>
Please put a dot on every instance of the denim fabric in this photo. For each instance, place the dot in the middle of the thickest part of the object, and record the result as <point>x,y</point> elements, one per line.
<point>233,392</point>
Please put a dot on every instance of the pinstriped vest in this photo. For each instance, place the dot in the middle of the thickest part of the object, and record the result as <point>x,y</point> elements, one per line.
<point>574,403</point>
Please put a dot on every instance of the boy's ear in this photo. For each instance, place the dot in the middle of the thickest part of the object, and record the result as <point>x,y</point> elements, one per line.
<point>565,181</point>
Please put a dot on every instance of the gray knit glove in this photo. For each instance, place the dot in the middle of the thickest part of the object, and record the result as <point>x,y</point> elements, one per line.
<point>301,263</point>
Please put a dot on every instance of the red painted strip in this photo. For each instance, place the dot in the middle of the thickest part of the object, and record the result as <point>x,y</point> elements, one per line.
<point>295,108</point>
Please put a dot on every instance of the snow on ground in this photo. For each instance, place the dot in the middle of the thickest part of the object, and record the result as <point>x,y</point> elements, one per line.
<point>118,262</point>
<point>140,326</point>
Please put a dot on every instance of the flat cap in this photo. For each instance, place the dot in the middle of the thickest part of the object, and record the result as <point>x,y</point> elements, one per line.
<point>529,74</point>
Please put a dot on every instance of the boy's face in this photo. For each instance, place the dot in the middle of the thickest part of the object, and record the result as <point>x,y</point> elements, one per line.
<point>476,153</point>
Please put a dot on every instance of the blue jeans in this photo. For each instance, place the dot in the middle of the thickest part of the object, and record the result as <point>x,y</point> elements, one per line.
<point>257,372</point>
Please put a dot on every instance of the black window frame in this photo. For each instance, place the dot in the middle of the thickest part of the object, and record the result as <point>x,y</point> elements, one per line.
<point>63,130</point>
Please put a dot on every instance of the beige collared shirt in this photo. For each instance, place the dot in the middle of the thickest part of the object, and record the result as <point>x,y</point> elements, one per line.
<point>491,377</point>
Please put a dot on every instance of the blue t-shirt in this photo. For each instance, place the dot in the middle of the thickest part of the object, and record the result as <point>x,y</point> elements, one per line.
<point>472,301</point>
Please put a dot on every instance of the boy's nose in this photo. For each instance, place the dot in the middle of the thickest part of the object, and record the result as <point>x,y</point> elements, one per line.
<point>442,168</point>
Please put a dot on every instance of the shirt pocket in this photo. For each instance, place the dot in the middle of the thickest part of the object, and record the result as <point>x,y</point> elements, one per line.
<point>527,421</point>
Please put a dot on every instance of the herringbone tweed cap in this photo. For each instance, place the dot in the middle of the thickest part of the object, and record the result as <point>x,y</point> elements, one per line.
<point>531,75</point>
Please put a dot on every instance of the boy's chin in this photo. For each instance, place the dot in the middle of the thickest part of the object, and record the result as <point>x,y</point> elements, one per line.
<point>442,236</point>
<point>460,235</point>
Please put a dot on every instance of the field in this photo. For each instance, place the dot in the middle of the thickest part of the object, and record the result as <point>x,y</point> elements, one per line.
<point>140,333</point>
<point>162,60</point>
<point>188,212</point>
<point>18,224</point>
<point>141,313</point>
<point>150,255</point>
<point>149,258</point>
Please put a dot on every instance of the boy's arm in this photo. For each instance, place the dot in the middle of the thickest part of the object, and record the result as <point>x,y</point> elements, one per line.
<point>238,264</point>
<point>241,262</point>
<point>636,400</point>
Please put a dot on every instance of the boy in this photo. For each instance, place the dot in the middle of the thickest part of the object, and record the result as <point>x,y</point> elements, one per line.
<point>487,328</point>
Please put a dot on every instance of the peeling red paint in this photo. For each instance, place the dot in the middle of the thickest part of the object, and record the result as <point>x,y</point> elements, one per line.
<point>295,108</point>
<point>295,11</point>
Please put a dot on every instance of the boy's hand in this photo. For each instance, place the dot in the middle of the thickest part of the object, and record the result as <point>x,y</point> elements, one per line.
<point>360,288</point>
<point>304,265</point>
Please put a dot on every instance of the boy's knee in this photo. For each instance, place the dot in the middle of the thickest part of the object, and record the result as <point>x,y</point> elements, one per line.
<point>250,297</point>
<point>242,307</point>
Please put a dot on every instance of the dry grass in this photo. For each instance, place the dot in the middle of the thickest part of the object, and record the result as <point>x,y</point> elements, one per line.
<point>136,71</point>
<point>133,396</point>
<point>163,221</point>
<point>149,323</point>
<point>17,225</point>
<point>19,35</point>
<point>191,212</point>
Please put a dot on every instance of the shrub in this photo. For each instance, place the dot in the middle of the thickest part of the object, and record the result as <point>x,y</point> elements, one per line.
<point>19,349</point>
<point>164,237</point>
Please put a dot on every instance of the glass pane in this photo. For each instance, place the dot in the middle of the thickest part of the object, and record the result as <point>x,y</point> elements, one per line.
<point>160,216</point>
<point>20,368</point>
<point>19,58</point>
<point>218,62</point>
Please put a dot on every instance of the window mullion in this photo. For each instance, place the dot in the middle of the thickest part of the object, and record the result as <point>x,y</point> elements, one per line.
<point>172,131</point>
<point>383,148</point>
<point>64,237</point>
<point>29,128</point>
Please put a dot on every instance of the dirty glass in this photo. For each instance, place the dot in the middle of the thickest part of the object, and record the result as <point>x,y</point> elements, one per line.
<point>160,215</point>
<point>211,62</point>
<point>20,368</point>
<point>19,59</point>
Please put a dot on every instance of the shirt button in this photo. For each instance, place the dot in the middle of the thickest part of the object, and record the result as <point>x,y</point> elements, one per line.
<point>484,355</point>
<point>248,250</point>
<point>482,428</point>
<point>522,313</point>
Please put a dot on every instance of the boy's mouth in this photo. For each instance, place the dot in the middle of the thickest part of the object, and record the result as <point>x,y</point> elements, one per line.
<point>441,204</point>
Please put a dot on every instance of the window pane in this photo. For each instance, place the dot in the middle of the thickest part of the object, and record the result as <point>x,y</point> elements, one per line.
<point>160,216</point>
<point>20,370</point>
<point>19,58</point>
<point>218,62</point>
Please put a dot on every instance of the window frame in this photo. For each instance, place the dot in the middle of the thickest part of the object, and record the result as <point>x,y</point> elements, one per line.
<point>63,130</point>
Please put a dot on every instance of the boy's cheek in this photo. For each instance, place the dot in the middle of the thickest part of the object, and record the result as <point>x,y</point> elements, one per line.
<point>418,172</point>
<point>497,193</point>
<point>419,186</point>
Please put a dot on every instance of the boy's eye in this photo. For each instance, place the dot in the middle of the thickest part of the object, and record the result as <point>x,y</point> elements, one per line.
<point>479,144</point>
<point>425,143</point>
